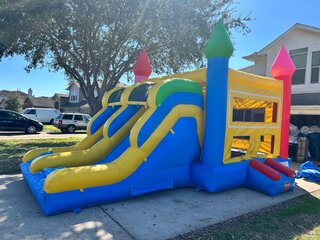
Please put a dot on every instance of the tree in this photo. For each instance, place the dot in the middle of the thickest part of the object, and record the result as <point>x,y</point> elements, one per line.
<point>12,103</point>
<point>94,40</point>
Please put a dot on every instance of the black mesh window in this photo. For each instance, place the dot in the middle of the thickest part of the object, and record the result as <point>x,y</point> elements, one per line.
<point>115,96</point>
<point>140,94</point>
<point>248,115</point>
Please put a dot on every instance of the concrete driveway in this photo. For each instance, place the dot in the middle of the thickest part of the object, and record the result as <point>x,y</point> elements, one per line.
<point>40,135</point>
<point>155,216</point>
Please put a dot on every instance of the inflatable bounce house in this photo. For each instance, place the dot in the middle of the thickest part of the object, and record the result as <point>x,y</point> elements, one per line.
<point>213,128</point>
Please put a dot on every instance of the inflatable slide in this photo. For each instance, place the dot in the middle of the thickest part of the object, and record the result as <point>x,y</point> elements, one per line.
<point>163,133</point>
<point>156,154</point>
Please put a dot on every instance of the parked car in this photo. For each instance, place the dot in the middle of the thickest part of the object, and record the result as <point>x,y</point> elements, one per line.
<point>44,115</point>
<point>70,122</point>
<point>13,121</point>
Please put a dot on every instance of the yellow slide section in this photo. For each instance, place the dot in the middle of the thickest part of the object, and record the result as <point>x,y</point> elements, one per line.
<point>106,174</point>
<point>98,151</point>
<point>88,156</point>
<point>85,143</point>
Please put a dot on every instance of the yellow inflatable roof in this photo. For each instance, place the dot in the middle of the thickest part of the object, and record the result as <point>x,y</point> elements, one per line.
<point>236,78</point>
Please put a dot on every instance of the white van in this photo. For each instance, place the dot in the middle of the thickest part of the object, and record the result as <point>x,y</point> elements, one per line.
<point>44,115</point>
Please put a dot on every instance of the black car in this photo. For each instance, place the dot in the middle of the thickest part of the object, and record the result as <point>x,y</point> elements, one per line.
<point>13,121</point>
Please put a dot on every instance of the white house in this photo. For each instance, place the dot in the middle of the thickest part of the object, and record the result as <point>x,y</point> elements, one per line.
<point>303,43</point>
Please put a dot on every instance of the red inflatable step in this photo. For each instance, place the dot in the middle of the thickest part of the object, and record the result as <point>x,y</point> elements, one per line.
<point>264,169</point>
<point>279,167</point>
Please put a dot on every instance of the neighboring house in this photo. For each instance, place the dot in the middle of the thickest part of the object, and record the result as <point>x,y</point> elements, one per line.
<point>303,45</point>
<point>38,102</point>
<point>72,102</point>
<point>5,93</point>
<point>60,100</point>
<point>76,101</point>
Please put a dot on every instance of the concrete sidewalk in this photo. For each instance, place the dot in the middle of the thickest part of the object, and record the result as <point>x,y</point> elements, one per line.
<point>156,216</point>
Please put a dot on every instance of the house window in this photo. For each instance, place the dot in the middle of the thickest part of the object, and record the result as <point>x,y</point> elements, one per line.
<point>299,57</point>
<point>73,95</point>
<point>315,66</point>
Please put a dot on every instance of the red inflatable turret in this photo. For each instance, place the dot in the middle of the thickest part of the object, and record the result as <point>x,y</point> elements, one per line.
<point>142,68</point>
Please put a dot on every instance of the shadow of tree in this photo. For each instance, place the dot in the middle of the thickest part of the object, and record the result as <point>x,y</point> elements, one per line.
<point>21,217</point>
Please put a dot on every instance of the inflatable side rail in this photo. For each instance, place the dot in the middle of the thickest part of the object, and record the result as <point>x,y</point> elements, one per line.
<point>265,170</point>
<point>280,168</point>
<point>91,138</point>
<point>270,177</point>
<point>121,168</point>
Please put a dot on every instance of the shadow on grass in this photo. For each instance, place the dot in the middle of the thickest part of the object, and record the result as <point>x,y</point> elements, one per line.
<point>58,132</point>
<point>294,219</point>
<point>66,134</point>
<point>8,134</point>
<point>12,151</point>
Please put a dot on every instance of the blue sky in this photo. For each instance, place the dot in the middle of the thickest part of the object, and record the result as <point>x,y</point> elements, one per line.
<point>272,18</point>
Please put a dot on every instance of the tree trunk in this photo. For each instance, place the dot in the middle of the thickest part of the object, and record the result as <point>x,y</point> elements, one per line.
<point>94,104</point>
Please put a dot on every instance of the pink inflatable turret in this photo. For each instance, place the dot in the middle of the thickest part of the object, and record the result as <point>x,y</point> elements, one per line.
<point>282,69</point>
<point>142,68</point>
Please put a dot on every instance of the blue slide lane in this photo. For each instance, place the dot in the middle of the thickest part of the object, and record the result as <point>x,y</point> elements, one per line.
<point>123,117</point>
<point>102,118</point>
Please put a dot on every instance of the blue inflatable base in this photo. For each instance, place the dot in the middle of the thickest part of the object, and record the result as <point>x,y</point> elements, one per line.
<point>146,180</point>
<point>234,175</point>
<point>75,200</point>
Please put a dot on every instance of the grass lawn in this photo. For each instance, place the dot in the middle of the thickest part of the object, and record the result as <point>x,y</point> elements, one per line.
<point>50,128</point>
<point>298,219</point>
<point>11,151</point>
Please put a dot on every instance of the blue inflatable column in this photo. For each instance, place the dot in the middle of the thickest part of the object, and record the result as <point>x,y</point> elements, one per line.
<point>218,50</point>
